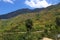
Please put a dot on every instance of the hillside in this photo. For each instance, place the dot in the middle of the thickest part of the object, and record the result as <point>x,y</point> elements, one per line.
<point>18,12</point>
<point>24,11</point>
<point>45,19</point>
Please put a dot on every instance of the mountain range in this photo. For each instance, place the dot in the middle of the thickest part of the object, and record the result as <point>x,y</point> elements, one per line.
<point>26,10</point>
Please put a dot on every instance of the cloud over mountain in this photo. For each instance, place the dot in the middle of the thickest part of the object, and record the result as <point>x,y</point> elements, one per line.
<point>37,3</point>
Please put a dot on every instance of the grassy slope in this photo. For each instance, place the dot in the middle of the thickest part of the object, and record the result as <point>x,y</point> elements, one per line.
<point>40,19</point>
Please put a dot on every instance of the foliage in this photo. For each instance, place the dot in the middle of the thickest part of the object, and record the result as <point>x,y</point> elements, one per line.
<point>47,21</point>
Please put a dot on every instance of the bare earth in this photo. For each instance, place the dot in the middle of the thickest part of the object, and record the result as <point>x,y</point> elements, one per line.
<point>46,38</point>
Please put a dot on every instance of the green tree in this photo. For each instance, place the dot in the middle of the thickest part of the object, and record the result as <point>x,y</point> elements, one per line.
<point>28,24</point>
<point>58,21</point>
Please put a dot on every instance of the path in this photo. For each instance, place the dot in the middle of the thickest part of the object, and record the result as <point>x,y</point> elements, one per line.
<point>20,32</point>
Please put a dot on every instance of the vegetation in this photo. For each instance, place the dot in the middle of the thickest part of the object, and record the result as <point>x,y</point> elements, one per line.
<point>45,23</point>
<point>29,24</point>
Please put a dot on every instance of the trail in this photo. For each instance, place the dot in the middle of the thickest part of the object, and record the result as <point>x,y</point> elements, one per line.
<point>20,32</point>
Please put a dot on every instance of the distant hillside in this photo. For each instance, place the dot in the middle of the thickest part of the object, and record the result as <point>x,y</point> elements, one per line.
<point>18,12</point>
<point>26,10</point>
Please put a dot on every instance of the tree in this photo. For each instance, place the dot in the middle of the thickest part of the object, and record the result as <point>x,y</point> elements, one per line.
<point>58,21</point>
<point>28,24</point>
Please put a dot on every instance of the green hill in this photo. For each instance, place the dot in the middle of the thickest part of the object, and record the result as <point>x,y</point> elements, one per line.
<point>47,20</point>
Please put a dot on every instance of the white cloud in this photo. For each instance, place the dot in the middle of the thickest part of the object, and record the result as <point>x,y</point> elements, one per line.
<point>10,1</point>
<point>37,3</point>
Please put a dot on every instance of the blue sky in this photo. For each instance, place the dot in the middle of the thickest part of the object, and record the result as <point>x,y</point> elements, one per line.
<point>7,6</point>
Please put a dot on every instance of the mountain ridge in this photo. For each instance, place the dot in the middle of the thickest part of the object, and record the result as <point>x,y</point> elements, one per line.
<point>18,12</point>
<point>26,10</point>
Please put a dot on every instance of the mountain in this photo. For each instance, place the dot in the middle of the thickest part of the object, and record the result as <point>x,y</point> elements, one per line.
<point>40,17</point>
<point>18,12</point>
<point>26,10</point>
<point>45,23</point>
